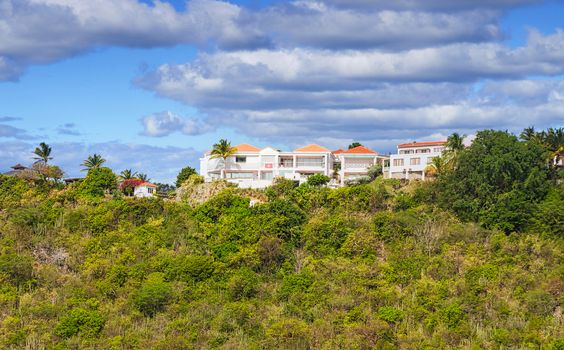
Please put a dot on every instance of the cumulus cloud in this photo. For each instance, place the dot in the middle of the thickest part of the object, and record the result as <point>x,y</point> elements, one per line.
<point>259,71</point>
<point>318,25</point>
<point>43,31</point>
<point>435,5</point>
<point>298,93</point>
<point>162,164</point>
<point>166,123</point>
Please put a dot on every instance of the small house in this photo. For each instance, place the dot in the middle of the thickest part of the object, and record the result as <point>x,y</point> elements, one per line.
<point>144,190</point>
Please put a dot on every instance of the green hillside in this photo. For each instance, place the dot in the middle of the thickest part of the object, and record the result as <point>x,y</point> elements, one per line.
<point>471,260</point>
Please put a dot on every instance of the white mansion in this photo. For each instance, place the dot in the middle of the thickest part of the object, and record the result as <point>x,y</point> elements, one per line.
<point>413,158</point>
<point>252,167</point>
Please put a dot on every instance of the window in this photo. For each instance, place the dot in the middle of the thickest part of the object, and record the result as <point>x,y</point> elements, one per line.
<point>240,175</point>
<point>240,159</point>
<point>266,175</point>
<point>423,150</point>
<point>415,161</point>
<point>398,162</point>
<point>150,190</point>
<point>438,149</point>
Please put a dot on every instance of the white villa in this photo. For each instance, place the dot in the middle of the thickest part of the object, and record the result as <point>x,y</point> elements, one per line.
<point>412,159</point>
<point>356,161</point>
<point>144,190</point>
<point>252,167</point>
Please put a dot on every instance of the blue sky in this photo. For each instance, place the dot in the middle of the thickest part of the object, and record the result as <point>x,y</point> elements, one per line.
<point>154,92</point>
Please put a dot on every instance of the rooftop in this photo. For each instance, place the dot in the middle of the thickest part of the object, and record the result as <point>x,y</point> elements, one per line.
<point>313,148</point>
<point>360,150</point>
<point>245,147</point>
<point>421,144</point>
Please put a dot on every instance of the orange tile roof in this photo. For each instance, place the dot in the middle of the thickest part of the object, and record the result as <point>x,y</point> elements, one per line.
<point>360,150</point>
<point>421,144</point>
<point>339,151</point>
<point>245,147</point>
<point>147,184</point>
<point>313,149</point>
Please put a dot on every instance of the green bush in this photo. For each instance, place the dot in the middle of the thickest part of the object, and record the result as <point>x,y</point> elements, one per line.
<point>317,180</point>
<point>190,268</point>
<point>98,182</point>
<point>153,295</point>
<point>86,323</point>
<point>243,284</point>
<point>281,187</point>
<point>296,284</point>
<point>224,203</point>
<point>453,315</point>
<point>390,314</point>
<point>18,269</point>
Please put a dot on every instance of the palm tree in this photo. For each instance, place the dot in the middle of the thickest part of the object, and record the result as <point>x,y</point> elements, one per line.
<point>529,134</point>
<point>222,149</point>
<point>554,141</point>
<point>453,147</point>
<point>438,167</point>
<point>143,177</point>
<point>128,174</point>
<point>455,142</point>
<point>93,161</point>
<point>43,153</point>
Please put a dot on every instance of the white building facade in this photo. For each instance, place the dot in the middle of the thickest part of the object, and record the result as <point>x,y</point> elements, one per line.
<point>356,161</point>
<point>251,167</point>
<point>413,158</point>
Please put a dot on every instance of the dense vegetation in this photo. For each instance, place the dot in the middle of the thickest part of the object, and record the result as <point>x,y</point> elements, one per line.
<point>472,260</point>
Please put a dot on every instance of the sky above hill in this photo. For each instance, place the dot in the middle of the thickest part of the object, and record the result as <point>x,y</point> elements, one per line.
<point>150,85</point>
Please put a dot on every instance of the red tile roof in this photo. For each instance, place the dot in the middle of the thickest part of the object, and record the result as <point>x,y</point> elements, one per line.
<point>339,151</point>
<point>146,184</point>
<point>360,150</point>
<point>245,147</point>
<point>313,149</point>
<point>422,144</point>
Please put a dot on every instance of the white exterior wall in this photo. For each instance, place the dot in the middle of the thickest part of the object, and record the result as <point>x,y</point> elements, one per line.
<point>262,167</point>
<point>409,170</point>
<point>354,166</point>
<point>143,191</point>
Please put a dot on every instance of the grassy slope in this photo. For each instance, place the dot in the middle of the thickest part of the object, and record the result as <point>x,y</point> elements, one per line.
<point>357,268</point>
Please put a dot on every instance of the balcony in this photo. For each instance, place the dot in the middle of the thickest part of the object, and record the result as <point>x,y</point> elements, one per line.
<point>310,163</point>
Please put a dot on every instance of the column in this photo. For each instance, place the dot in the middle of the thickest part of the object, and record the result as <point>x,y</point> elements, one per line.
<point>342,172</point>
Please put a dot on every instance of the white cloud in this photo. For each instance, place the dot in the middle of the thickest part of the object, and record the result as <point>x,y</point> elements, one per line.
<point>44,31</point>
<point>166,123</point>
<point>301,23</point>
<point>304,93</point>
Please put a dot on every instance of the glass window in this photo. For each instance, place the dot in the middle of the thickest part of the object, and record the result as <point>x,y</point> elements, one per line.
<point>240,159</point>
<point>398,162</point>
<point>240,175</point>
<point>415,161</point>
<point>266,175</point>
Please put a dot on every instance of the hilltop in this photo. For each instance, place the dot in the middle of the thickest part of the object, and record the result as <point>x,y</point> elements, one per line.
<point>472,260</point>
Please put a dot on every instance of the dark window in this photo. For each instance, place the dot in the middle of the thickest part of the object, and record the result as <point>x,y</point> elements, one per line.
<point>240,159</point>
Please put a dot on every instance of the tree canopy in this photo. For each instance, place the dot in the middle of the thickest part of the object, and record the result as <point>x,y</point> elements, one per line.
<point>184,174</point>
